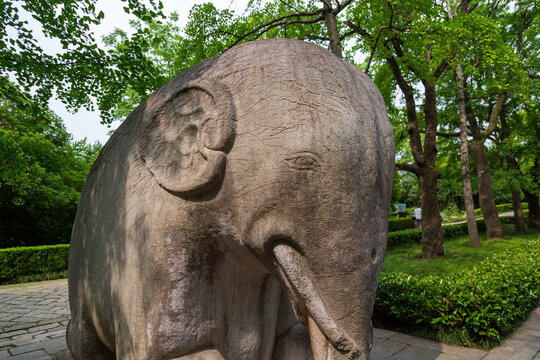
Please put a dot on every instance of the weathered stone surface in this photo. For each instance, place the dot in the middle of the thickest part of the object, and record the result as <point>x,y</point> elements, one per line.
<point>261,172</point>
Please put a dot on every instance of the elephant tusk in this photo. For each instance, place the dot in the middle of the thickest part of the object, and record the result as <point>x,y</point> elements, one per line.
<point>320,322</point>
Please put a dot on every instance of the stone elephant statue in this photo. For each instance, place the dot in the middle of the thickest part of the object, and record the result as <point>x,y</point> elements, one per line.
<point>239,213</point>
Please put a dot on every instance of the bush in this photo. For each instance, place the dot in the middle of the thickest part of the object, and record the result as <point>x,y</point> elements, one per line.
<point>474,307</point>
<point>502,208</point>
<point>512,220</point>
<point>19,261</point>
<point>411,236</point>
<point>397,224</point>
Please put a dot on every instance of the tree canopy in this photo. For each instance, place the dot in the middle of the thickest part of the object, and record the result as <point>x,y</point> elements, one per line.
<point>42,173</point>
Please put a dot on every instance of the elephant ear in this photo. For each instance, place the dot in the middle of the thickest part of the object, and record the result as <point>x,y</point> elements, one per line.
<point>186,141</point>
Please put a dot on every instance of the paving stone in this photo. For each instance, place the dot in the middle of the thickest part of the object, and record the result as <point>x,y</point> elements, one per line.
<point>34,355</point>
<point>420,353</point>
<point>4,354</point>
<point>411,340</point>
<point>12,333</point>
<point>383,348</point>
<point>382,333</point>
<point>506,353</point>
<point>6,344</point>
<point>43,327</point>
<point>46,344</point>
<point>57,333</point>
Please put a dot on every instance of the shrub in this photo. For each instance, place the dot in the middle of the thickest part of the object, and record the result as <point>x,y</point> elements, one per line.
<point>30,260</point>
<point>404,237</point>
<point>512,220</point>
<point>397,224</point>
<point>474,307</point>
<point>502,208</point>
<point>411,236</point>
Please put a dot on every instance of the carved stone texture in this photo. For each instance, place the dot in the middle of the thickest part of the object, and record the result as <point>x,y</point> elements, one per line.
<point>239,213</point>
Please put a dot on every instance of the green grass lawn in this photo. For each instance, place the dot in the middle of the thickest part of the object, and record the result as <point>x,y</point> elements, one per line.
<point>458,255</point>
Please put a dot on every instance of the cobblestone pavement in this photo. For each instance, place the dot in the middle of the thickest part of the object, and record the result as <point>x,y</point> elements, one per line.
<point>34,316</point>
<point>33,320</point>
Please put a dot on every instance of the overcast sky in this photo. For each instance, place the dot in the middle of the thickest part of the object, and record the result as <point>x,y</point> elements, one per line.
<point>87,124</point>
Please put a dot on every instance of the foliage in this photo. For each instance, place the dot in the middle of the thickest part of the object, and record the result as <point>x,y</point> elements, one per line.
<point>166,49</point>
<point>81,70</point>
<point>29,260</point>
<point>41,173</point>
<point>414,236</point>
<point>397,224</point>
<point>458,254</point>
<point>37,277</point>
<point>502,208</point>
<point>477,306</point>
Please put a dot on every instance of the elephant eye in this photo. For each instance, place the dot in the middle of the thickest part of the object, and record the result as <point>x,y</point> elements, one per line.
<point>303,162</point>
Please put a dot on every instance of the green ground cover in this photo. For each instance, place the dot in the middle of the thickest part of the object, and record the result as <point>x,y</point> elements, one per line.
<point>458,255</point>
<point>471,297</point>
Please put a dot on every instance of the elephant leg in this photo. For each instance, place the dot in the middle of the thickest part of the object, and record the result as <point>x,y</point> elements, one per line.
<point>203,355</point>
<point>83,342</point>
<point>293,344</point>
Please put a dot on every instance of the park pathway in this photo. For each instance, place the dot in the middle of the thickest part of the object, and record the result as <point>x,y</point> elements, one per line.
<point>34,316</point>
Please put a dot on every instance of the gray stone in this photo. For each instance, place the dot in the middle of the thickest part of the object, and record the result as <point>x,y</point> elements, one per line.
<point>383,333</point>
<point>265,170</point>
<point>34,355</point>
<point>383,348</point>
<point>418,353</point>
<point>49,345</point>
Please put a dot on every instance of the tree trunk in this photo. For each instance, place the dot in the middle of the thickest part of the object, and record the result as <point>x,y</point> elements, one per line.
<point>331,27</point>
<point>472,228</point>
<point>519,219</point>
<point>534,210</point>
<point>485,192</point>
<point>512,165</point>
<point>432,233</point>
<point>424,158</point>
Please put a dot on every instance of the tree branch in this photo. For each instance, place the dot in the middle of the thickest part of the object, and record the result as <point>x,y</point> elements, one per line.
<point>410,104</point>
<point>494,115</point>
<point>261,29</point>
<point>374,47</point>
<point>341,6</point>
<point>408,167</point>
<point>357,29</point>
<point>445,134</point>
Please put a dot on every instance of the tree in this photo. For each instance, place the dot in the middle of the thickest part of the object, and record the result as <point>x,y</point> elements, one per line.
<point>41,173</point>
<point>474,239</point>
<point>82,70</point>
<point>519,118</point>
<point>465,172</point>
<point>410,39</point>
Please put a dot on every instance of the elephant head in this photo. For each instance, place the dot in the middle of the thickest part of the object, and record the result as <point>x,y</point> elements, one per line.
<point>296,147</point>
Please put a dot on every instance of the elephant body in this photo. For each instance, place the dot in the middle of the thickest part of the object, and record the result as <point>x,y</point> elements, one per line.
<point>239,213</point>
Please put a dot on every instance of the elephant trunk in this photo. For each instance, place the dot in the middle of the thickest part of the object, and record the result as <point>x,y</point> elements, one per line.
<point>336,306</point>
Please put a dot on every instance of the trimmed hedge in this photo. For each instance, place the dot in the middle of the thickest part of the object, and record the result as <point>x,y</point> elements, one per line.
<point>397,224</point>
<point>413,236</point>
<point>503,208</point>
<point>474,307</point>
<point>30,260</point>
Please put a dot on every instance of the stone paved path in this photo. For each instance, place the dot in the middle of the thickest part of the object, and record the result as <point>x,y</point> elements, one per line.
<point>34,316</point>
<point>33,320</point>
